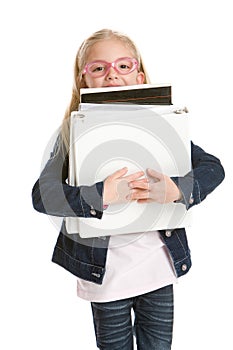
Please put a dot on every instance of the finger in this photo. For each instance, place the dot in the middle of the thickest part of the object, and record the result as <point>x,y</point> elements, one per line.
<point>136,195</point>
<point>155,174</point>
<point>143,180</point>
<point>134,176</point>
<point>141,201</point>
<point>119,173</point>
<point>144,184</point>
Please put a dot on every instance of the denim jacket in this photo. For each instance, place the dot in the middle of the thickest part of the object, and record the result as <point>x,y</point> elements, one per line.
<point>86,258</point>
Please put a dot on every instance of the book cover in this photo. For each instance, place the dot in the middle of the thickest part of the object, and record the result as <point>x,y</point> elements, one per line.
<point>144,94</point>
<point>104,140</point>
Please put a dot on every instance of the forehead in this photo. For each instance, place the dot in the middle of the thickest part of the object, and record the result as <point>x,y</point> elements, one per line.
<point>108,50</point>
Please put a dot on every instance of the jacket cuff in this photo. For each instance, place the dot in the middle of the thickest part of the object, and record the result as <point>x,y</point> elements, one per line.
<point>92,200</point>
<point>189,188</point>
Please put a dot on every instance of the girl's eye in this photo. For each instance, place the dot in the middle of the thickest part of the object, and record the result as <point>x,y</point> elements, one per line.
<point>124,66</point>
<point>95,68</point>
<point>98,69</point>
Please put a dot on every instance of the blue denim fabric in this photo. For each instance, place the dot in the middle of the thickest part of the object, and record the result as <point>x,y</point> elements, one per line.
<point>152,326</point>
<point>87,258</point>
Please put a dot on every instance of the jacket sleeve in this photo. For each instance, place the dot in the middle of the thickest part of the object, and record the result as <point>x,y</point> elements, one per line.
<point>52,195</point>
<point>206,174</point>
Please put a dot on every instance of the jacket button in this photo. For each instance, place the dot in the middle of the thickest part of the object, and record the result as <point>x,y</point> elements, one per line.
<point>93,212</point>
<point>191,199</point>
<point>97,275</point>
<point>184,267</point>
<point>168,233</point>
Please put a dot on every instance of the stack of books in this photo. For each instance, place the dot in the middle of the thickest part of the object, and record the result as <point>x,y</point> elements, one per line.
<point>133,126</point>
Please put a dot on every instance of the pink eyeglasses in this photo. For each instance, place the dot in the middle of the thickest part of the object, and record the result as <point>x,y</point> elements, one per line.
<point>123,65</point>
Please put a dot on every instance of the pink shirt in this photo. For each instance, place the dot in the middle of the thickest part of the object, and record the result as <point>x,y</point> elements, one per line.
<point>136,264</point>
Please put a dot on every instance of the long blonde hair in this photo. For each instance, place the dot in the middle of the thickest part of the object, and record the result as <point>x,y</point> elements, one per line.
<point>80,62</point>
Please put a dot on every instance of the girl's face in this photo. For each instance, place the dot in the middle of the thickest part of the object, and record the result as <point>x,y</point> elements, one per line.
<point>109,51</point>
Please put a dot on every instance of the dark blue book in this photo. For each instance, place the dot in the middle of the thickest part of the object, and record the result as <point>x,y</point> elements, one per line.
<point>145,94</point>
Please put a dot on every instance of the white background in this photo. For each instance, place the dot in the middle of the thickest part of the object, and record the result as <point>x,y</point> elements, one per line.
<point>185,43</point>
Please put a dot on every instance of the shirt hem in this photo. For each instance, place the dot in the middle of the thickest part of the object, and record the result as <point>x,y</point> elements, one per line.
<point>125,295</point>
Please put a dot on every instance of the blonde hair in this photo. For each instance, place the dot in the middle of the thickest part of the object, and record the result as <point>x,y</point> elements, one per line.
<point>79,65</point>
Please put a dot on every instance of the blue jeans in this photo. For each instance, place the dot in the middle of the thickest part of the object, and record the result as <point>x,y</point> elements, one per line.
<point>153,321</point>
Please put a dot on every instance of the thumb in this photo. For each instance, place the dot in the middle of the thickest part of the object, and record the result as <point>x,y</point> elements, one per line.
<point>155,174</point>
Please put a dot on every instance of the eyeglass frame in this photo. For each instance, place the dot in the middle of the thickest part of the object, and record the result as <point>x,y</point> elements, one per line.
<point>113,65</point>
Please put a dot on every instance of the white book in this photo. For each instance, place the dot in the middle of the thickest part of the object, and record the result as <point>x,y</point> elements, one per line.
<point>104,139</point>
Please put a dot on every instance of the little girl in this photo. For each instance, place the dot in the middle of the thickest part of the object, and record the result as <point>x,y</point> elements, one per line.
<point>139,274</point>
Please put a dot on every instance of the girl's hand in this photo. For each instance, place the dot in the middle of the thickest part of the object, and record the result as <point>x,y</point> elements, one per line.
<point>160,188</point>
<point>116,186</point>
